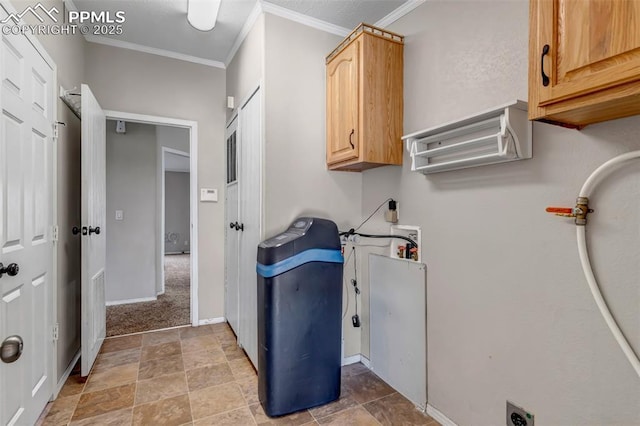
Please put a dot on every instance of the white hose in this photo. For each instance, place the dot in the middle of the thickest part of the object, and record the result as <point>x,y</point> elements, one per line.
<point>588,186</point>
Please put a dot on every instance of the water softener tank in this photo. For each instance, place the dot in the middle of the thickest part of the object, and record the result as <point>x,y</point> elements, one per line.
<point>299,317</point>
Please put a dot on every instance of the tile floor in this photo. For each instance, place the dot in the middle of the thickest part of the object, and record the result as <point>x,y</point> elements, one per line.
<point>198,376</point>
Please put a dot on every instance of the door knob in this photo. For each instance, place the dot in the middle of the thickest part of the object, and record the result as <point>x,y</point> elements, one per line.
<point>12,269</point>
<point>75,230</point>
<point>11,349</point>
<point>95,230</point>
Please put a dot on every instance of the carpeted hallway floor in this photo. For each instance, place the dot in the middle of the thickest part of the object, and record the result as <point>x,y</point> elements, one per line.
<point>170,310</point>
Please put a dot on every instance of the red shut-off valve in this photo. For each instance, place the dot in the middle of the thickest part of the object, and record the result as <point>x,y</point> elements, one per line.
<point>580,211</point>
<point>562,211</point>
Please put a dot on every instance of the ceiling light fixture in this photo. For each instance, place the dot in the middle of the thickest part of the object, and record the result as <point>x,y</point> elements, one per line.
<point>202,14</point>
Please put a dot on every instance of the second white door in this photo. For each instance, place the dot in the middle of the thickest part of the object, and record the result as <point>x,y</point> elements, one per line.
<point>244,222</point>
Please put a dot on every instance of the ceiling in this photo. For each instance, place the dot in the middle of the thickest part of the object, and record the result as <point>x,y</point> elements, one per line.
<point>161,27</point>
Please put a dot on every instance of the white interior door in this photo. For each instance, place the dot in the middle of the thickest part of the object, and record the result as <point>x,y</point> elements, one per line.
<point>26,227</point>
<point>232,234</point>
<point>250,189</point>
<point>93,211</point>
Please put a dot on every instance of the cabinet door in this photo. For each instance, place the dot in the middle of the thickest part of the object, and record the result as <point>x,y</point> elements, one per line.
<point>592,45</point>
<point>342,105</point>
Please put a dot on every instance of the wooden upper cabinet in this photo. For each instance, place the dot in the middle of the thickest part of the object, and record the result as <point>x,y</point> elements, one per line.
<point>584,60</point>
<point>364,100</point>
<point>342,95</point>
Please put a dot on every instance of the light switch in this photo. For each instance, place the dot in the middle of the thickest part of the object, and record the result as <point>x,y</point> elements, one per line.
<point>119,215</point>
<point>209,195</point>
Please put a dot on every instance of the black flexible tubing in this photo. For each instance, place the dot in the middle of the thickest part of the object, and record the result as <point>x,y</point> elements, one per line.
<point>401,237</point>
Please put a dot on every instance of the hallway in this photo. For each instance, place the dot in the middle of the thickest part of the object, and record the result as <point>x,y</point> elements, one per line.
<point>171,309</point>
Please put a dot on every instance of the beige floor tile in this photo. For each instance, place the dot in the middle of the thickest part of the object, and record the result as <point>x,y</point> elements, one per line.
<point>233,351</point>
<point>396,409</point>
<point>113,418</point>
<point>104,401</point>
<point>295,419</point>
<point>222,327</point>
<point>161,388</point>
<point>162,350</point>
<point>211,375</point>
<point>215,400</point>
<point>354,369</point>
<point>189,332</point>
<point>73,386</point>
<point>159,337</point>
<point>227,339</point>
<point>115,359</point>
<point>249,388</point>
<point>60,411</point>
<point>199,343</point>
<point>112,377</point>
<point>197,377</point>
<point>204,357</point>
<point>171,411</point>
<point>356,416</point>
<point>113,344</point>
<point>160,367</point>
<point>366,387</point>
<point>242,368</point>
<point>241,416</point>
<point>343,403</point>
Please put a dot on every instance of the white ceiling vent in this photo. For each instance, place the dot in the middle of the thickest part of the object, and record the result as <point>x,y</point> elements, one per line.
<point>495,136</point>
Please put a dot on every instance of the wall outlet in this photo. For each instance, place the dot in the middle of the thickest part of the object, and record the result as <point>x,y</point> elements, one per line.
<point>518,416</point>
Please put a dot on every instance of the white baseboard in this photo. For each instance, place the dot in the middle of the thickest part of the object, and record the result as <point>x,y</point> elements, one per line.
<point>212,321</point>
<point>353,359</point>
<point>66,374</point>
<point>128,301</point>
<point>365,361</point>
<point>439,417</point>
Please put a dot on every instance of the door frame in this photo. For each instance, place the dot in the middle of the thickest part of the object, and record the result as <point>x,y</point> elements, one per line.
<point>161,213</point>
<point>192,126</point>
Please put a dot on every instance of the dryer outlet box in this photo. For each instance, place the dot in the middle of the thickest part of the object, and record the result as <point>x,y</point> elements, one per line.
<point>518,416</point>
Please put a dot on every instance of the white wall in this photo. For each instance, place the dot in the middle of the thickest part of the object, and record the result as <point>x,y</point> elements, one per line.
<point>246,69</point>
<point>124,80</point>
<point>131,187</point>
<point>177,211</point>
<point>509,312</point>
<point>297,182</point>
<point>176,138</point>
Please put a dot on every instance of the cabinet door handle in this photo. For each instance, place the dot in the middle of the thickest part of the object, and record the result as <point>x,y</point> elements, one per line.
<point>545,78</point>
<point>351,138</point>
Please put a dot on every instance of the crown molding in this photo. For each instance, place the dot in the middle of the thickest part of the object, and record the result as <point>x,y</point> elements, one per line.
<point>154,51</point>
<point>244,32</point>
<point>303,19</point>
<point>145,49</point>
<point>398,13</point>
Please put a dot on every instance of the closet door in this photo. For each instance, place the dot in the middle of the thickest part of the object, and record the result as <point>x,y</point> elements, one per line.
<point>250,178</point>
<point>232,236</point>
